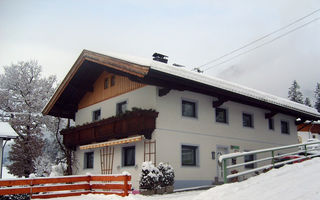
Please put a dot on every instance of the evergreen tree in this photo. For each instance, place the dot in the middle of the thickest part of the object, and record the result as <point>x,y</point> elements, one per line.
<point>294,93</point>
<point>307,102</point>
<point>317,96</point>
<point>23,95</point>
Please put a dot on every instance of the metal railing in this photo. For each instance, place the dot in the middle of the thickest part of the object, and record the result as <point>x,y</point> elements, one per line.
<point>271,158</point>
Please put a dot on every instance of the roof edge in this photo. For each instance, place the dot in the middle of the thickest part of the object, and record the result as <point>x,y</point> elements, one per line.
<point>120,64</point>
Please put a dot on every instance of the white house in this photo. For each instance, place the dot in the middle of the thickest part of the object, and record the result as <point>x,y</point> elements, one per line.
<point>181,117</point>
<point>6,133</point>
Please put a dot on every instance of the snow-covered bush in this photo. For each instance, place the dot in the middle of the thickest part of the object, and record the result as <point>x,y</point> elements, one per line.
<point>150,176</point>
<point>42,166</point>
<point>167,178</point>
<point>58,170</point>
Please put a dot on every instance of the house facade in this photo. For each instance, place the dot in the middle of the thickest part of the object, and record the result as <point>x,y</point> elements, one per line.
<point>176,116</point>
<point>309,130</point>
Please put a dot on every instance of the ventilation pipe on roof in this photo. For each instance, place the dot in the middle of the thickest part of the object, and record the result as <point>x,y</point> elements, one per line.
<point>160,57</point>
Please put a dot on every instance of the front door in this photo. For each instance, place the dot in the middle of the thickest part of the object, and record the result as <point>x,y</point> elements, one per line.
<point>221,150</point>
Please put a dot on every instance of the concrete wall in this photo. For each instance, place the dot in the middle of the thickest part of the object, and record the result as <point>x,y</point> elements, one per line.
<point>173,130</point>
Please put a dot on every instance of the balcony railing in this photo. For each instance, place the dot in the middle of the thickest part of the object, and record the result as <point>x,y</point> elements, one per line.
<point>137,122</point>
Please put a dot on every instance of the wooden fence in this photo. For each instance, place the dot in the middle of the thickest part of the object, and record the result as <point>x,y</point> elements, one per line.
<point>67,186</point>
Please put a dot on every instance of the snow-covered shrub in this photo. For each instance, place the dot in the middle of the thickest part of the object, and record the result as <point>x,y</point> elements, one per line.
<point>42,166</point>
<point>58,170</point>
<point>167,172</point>
<point>150,176</point>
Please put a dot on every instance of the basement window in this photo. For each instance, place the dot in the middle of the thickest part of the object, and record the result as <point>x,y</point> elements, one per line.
<point>128,156</point>
<point>249,158</point>
<point>88,160</point>
<point>189,155</point>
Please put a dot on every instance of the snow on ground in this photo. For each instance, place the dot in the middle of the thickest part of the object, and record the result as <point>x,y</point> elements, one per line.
<point>6,175</point>
<point>291,182</point>
<point>174,196</point>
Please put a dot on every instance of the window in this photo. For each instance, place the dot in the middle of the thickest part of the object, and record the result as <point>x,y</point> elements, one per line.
<point>247,120</point>
<point>88,160</point>
<point>249,158</point>
<point>106,83</point>
<point>221,115</point>
<point>128,156</point>
<point>96,115</point>
<point>271,124</point>
<point>189,155</point>
<point>121,107</point>
<point>189,109</point>
<point>113,80</point>
<point>285,127</point>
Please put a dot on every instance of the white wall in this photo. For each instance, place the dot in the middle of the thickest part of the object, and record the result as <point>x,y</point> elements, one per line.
<point>118,167</point>
<point>142,98</point>
<point>173,130</point>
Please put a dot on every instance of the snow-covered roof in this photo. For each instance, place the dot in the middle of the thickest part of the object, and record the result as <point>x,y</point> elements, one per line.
<point>144,69</point>
<point>220,83</point>
<point>6,131</point>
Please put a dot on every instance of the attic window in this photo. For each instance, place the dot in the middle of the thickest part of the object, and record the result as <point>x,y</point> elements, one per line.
<point>113,80</point>
<point>106,83</point>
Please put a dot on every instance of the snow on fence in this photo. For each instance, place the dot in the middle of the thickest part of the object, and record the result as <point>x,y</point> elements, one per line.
<point>266,159</point>
<point>67,186</point>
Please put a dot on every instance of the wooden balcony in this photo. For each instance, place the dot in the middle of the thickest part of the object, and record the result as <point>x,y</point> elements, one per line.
<point>138,122</point>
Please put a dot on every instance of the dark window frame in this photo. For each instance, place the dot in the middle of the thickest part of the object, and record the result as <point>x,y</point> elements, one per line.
<point>126,162</point>
<point>88,160</point>
<point>113,81</point>
<point>285,129</point>
<point>248,158</point>
<point>194,151</point>
<point>184,113</point>
<point>251,121</point>
<point>271,124</point>
<point>94,116</point>
<point>225,117</point>
<point>106,83</point>
<point>119,109</point>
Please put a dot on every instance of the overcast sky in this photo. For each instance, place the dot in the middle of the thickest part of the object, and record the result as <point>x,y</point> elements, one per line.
<point>191,33</point>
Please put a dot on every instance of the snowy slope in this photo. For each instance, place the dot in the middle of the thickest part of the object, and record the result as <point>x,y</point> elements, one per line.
<point>291,182</point>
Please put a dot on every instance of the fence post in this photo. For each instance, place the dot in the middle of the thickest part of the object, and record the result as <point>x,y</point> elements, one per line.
<point>125,191</point>
<point>225,171</point>
<point>305,150</point>
<point>89,182</point>
<point>273,161</point>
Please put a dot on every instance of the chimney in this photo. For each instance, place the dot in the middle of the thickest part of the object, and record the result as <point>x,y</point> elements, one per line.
<point>159,57</point>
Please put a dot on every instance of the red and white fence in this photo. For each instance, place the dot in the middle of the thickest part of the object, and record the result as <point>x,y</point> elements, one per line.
<point>67,186</point>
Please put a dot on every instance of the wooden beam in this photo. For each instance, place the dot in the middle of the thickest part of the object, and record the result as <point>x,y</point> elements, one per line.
<point>270,114</point>
<point>218,101</point>
<point>163,91</point>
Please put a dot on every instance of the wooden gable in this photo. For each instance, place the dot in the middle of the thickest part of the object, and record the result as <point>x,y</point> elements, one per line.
<point>101,92</point>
